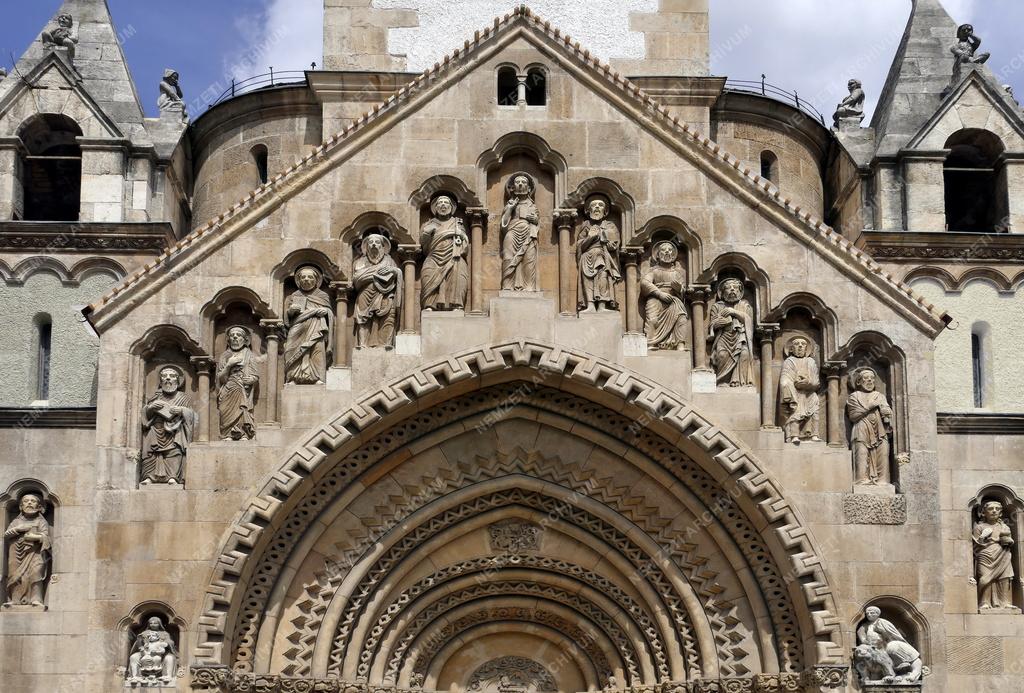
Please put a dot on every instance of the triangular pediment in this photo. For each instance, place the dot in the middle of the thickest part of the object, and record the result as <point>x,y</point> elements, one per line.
<point>615,98</point>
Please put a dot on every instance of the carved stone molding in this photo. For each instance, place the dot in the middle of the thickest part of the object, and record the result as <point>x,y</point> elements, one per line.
<point>523,674</point>
<point>867,509</point>
<point>147,237</point>
<point>515,536</point>
<point>943,245</point>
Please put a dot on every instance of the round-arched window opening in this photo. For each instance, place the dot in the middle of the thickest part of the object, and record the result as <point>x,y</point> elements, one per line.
<point>261,157</point>
<point>51,170</point>
<point>770,166</point>
<point>536,87</point>
<point>508,86</point>
<point>975,183</point>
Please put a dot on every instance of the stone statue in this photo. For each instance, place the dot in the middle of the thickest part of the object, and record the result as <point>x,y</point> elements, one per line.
<point>171,97</point>
<point>965,50</point>
<point>168,423</point>
<point>993,559</point>
<point>61,36</point>
<point>310,322</point>
<point>237,385</point>
<point>520,222</point>
<point>154,658</point>
<point>883,656</point>
<point>871,420</point>
<point>661,288</point>
<point>444,278</point>
<point>378,283</point>
<point>3,73</point>
<point>850,111</point>
<point>731,333</point>
<point>597,249</point>
<point>798,392</point>
<point>28,557</point>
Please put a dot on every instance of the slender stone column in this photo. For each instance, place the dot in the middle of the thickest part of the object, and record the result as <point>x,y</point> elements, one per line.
<point>341,326</point>
<point>565,220</point>
<point>834,408</point>
<point>766,335</point>
<point>203,366</point>
<point>274,329</point>
<point>631,263</point>
<point>409,255</point>
<point>477,220</point>
<point>699,296</point>
<point>521,90</point>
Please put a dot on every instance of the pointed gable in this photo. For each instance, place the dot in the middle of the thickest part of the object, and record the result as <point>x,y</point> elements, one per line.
<point>974,104</point>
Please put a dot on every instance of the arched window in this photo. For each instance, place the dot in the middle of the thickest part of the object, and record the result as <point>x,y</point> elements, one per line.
<point>770,166</point>
<point>536,87</point>
<point>508,86</point>
<point>51,168</point>
<point>975,183</point>
<point>44,347</point>
<point>980,370</point>
<point>261,158</point>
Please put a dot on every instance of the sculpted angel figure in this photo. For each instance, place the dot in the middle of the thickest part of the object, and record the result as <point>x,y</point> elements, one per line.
<point>168,424</point>
<point>597,248</point>
<point>520,222</point>
<point>853,105</point>
<point>61,36</point>
<point>881,634</point>
<point>993,558</point>
<point>378,284</point>
<point>28,557</point>
<point>154,658</point>
<point>310,322</point>
<point>237,385</point>
<point>661,289</point>
<point>871,419</point>
<point>798,392</point>
<point>171,97</point>
<point>444,277</point>
<point>731,333</point>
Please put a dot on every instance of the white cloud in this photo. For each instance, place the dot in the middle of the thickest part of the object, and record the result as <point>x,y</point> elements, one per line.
<point>285,34</point>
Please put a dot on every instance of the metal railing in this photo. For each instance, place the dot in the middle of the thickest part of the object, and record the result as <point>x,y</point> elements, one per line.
<point>771,91</point>
<point>267,80</point>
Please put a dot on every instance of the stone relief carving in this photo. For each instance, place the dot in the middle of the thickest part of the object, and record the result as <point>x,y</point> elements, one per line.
<point>520,222</point>
<point>515,536</point>
<point>798,392</point>
<point>378,284</point>
<point>850,111</point>
<point>28,554</point>
<point>310,321</point>
<point>153,661</point>
<point>237,386</point>
<point>883,656</point>
<point>731,333</point>
<point>61,36</point>
<point>993,559</point>
<point>597,248</point>
<point>511,675</point>
<point>171,97</point>
<point>965,51</point>
<point>666,322</point>
<point>168,424</point>
<point>444,278</point>
<point>871,419</point>
<point>865,509</point>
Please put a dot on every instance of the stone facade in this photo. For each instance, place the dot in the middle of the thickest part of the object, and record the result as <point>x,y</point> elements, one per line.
<point>553,392</point>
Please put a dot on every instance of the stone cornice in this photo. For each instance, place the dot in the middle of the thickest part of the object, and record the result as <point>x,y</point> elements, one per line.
<point>83,237</point>
<point>48,417</point>
<point>916,246</point>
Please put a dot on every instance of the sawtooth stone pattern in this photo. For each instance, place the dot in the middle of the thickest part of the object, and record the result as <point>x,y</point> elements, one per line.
<point>545,369</point>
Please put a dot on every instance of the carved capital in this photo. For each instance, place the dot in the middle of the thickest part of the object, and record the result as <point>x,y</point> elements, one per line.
<point>341,290</point>
<point>825,676</point>
<point>408,254</point>
<point>273,328</point>
<point>833,369</point>
<point>202,364</point>
<point>477,216</point>
<point>565,218</point>
<point>766,332</point>
<point>631,256</point>
<point>699,293</point>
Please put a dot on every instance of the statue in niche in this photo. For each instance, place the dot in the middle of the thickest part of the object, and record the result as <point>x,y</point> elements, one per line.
<point>993,559</point>
<point>850,110</point>
<point>444,277</point>
<point>237,383</point>
<point>965,50</point>
<point>154,658</point>
<point>168,423</point>
<point>520,222</point>
<point>661,288</point>
<point>597,248</point>
<point>378,284</point>
<point>28,557</point>
<point>883,656</point>
<point>310,322</point>
<point>61,36</point>
<point>731,333</point>
<point>798,392</point>
<point>171,97</point>
<point>871,419</point>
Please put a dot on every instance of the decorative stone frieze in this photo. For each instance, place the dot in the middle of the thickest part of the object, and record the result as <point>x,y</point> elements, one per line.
<point>868,509</point>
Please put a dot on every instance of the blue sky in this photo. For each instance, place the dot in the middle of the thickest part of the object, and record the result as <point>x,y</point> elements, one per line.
<point>812,46</point>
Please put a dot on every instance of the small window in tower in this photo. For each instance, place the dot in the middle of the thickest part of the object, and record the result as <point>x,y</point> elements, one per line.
<point>261,158</point>
<point>975,183</point>
<point>508,86</point>
<point>51,168</point>
<point>44,335</point>
<point>770,166</point>
<point>536,87</point>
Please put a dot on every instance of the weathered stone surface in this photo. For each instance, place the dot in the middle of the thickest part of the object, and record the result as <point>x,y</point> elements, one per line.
<point>868,509</point>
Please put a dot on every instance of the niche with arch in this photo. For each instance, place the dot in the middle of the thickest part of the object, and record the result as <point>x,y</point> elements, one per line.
<point>377,332</point>
<point>51,169</point>
<point>905,617</point>
<point>665,326</point>
<point>288,302</point>
<point>32,550</point>
<point>755,295</point>
<point>135,624</point>
<point>975,184</point>
<point>1013,517</point>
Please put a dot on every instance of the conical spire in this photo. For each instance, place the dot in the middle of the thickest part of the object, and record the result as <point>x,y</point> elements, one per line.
<point>99,60</point>
<point>920,72</point>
